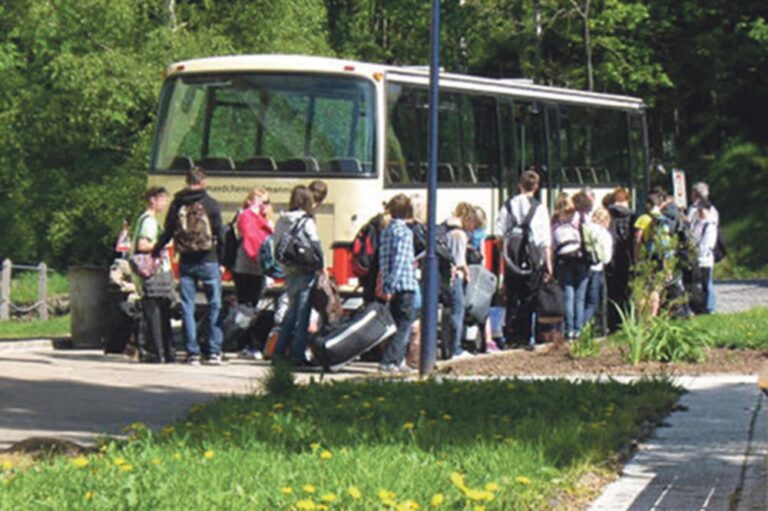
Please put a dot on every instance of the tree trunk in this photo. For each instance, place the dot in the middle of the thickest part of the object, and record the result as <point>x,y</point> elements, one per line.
<point>588,47</point>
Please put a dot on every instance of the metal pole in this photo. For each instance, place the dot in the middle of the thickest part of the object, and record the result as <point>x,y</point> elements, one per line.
<point>431,278</point>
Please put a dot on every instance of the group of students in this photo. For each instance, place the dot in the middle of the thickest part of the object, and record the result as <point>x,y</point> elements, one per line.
<point>584,247</point>
<point>194,223</point>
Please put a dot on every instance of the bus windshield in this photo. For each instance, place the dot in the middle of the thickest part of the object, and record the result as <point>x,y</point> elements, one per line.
<point>254,122</point>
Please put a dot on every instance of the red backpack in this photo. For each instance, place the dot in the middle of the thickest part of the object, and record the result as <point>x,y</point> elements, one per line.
<point>365,249</point>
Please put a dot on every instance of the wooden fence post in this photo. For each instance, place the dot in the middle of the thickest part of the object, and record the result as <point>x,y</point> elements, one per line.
<point>5,290</point>
<point>42,291</point>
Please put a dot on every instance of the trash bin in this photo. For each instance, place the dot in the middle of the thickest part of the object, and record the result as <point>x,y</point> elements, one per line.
<point>94,309</point>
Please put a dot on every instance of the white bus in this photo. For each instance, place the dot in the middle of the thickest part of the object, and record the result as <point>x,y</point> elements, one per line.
<point>275,121</point>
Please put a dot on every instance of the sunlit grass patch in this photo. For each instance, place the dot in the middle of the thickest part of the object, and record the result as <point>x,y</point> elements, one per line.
<point>359,446</point>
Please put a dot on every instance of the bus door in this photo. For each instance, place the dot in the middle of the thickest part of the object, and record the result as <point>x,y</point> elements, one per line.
<point>523,145</point>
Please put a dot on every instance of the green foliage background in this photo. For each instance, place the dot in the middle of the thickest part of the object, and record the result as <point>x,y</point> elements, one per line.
<point>79,81</point>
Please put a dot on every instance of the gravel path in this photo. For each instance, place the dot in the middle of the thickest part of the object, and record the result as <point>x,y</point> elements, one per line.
<point>741,295</point>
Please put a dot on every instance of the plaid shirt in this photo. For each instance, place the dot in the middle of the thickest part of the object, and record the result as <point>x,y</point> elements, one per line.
<point>396,259</point>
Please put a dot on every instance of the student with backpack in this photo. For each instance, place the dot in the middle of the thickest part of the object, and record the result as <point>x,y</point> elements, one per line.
<point>618,271</point>
<point>298,250</point>
<point>399,283</point>
<point>253,229</point>
<point>194,223</point>
<point>365,255</point>
<point>523,227</point>
<point>156,337</point>
<point>453,234</point>
<point>571,264</point>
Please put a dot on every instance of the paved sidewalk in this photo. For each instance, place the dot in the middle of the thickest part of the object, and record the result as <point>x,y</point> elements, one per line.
<point>738,296</point>
<point>79,395</point>
<point>710,456</point>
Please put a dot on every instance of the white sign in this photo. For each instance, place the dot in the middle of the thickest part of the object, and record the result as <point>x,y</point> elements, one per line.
<point>679,189</point>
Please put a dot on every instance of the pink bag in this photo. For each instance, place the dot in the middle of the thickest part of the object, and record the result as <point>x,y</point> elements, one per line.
<point>144,264</point>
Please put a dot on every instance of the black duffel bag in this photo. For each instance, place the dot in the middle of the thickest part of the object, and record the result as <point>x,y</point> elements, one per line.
<point>550,306</point>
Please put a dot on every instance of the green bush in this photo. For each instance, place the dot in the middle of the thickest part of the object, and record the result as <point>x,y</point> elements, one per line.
<point>585,346</point>
<point>661,339</point>
<point>24,286</point>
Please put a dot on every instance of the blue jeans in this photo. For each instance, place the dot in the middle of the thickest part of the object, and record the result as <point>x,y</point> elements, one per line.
<point>457,315</point>
<point>298,287</point>
<point>402,309</point>
<point>210,276</point>
<point>711,300</point>
<point>574,277</point>
<point>594,295</point>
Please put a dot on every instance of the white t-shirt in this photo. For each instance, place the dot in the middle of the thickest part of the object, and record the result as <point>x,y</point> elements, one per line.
<point>540,226</point>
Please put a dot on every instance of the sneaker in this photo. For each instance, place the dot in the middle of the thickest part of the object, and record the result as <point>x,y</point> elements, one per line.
<point>389,369</point>
<point>405,369</point>
<point>192,360</point>
<point>463,355</point>
<point>214,360</point>
<point>249,354</point>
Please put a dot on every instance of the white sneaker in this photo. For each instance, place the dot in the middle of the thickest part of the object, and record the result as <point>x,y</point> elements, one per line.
<point>214,360</point>
<point>389,369</point>
<point>463,355</point>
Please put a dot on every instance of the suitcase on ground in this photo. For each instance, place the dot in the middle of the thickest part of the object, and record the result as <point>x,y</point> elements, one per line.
<point>340,343</point>
<point>479,293</point>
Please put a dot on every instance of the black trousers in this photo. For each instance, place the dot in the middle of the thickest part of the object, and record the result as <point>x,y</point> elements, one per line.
<point>521,301</point>
<point>156,337</point>
<point>617,284</point>
<point>249,288</point>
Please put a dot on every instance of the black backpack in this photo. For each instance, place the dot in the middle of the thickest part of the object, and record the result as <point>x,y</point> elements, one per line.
<point>445,259</point>
<point>365,248</point>
<point>721,251</point>
<point>231,243</point>
<point>521,255</point>
<point>297,250</point>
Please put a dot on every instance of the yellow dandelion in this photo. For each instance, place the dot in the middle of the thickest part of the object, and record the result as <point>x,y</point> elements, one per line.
<point>522,480</point>
<point>328,497</point>
<point>458,480</point>
<point>326,455</point>
<point>88,495</point>
<point>321,507</point>
<point>381,399</point>
<point>177,456</point>
<point>286,490</point>
<point>478,494</point>
<point>126,468</point>
<point>479,508</point>
<point>156,461</point>
<point>8,464</point>
<point>492,487</point>
<point>209,454</point>
<point>386,495</point>
<point>447,417</point>
<point>314,446</point>
<point>409,425</point>
<point>79,462</point>
<point>408,505</point>
<point>309,488</point>
<point>306,505</point>
<point>355,492</point>
<point>437,500</point>
<point>278,406</point>
<point>119,461</point>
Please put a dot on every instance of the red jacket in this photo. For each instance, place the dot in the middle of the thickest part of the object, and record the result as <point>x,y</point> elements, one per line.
<point>254,229</point>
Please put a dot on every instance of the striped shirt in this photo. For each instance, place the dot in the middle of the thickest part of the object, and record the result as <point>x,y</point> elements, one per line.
<point>396,259</point>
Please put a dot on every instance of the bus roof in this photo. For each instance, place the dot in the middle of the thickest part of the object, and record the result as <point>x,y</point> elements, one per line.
<point>521,88</point>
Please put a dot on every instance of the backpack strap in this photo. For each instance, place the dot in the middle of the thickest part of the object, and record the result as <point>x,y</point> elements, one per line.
<point>531,212</point>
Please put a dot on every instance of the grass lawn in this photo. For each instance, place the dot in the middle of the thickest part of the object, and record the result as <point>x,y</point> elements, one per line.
<point>55,327</point>
<point>493,445</point>
<point>743,330</point>
<point>24,286</point>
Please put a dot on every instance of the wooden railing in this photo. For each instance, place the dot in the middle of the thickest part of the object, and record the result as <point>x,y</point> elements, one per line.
<point>6,306</point>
